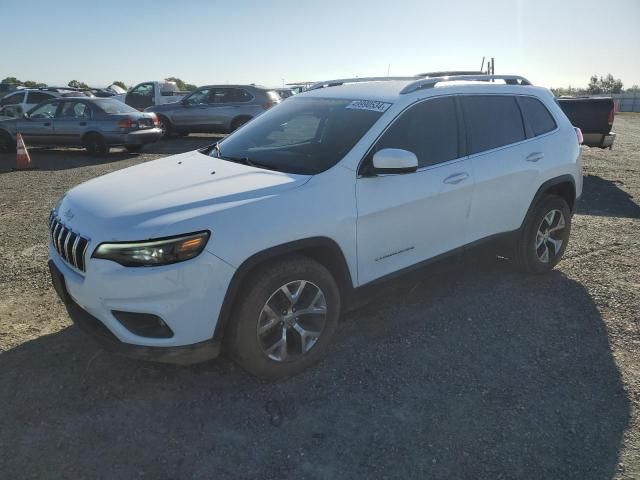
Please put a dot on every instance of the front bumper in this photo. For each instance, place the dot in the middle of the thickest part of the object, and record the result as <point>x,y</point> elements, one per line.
<point>185,355</point>
<point>187,296</point>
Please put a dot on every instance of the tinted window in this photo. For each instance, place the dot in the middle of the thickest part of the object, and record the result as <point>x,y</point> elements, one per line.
<point>492,121</point>
<point>537,115</point>
<point>199,97</point>
<point>12,99</point>
<point>429,129</point>
<point>38,97</point>
<point>301,135</point>
<point>237,95</point>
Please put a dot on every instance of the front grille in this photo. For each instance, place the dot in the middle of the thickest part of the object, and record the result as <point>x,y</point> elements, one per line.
<point>71,246</point>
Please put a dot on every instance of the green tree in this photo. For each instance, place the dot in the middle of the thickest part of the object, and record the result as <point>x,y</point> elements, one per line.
<point>77,84</point>
<point>634,88</point>
<point>32,84</point>
<point>120,84</point>
<point>12,81</point>
<point>607,84</point>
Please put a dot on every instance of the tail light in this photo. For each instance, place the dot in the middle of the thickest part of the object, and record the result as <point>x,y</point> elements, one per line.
<point>611,115</point>
<point>155,120</point>
<point>579,135</point>
<point>267,105</point>
<point>127,123</point>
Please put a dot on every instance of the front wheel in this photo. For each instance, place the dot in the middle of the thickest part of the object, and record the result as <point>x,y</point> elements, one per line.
<point>545,235</point>
<point>287,317</point>
<point>7,143</point>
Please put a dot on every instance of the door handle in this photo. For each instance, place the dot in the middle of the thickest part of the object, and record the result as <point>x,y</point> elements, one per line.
<point>456,178</point>
<point>83,124</point>
<point>535,156</point>
<point>48,124</point>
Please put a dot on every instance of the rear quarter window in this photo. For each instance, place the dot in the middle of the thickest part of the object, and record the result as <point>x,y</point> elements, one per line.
<point>491,121</point>
<point>537,115</point>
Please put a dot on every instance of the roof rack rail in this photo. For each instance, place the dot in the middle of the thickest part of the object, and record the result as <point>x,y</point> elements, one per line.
<point>449,73</point>
<point>432,82</point>
<point>341,81</point>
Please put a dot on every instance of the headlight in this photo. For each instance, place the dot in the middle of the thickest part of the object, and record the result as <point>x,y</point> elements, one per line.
<point>153,252</point>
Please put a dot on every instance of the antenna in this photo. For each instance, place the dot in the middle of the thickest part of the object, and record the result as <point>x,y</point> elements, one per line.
<point>482,64</point>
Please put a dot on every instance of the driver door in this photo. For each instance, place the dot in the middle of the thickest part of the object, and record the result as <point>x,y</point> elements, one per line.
<point>192,114</point>
<point>407,218</point>
<point>37,129</point>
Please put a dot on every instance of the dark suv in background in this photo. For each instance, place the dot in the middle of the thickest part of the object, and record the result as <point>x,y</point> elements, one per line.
<point>215,109</point>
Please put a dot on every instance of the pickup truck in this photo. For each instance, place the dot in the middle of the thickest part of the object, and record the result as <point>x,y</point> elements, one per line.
<point>149,94</point>
<point>594,116</point>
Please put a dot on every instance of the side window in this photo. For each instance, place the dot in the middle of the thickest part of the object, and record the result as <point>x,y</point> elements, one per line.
<point>218,95</point>
<point>12,99</point>
<point>144,90</point>
<point>48,110</point>
<point>537,115</point>
<point>199,97</point>
<point>38,97</point>
<point>492,121</point>
<point>237,95</point>
<point>428,129</point>
<point>74,111</point>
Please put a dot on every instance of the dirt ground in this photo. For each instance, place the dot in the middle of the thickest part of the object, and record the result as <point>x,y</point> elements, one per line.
<point>470,370</point>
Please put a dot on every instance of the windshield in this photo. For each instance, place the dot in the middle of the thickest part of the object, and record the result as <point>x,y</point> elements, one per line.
<point>301,135</point>
<point>112,107</point>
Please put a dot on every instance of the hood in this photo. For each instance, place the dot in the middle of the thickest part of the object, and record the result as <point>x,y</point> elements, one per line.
<point>150,199</point>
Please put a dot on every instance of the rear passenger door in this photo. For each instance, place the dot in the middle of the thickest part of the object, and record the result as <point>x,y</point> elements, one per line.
<point>404,219</point>
<point>72,120</point>
<point>501,156</point>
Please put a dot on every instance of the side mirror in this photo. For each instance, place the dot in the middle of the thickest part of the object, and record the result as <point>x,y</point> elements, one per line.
<point>26,116</point>
<point>394,160</point>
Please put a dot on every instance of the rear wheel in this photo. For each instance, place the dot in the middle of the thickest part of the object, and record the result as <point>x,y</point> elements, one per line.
<point>7,143</point>
<point>238,122</point>
<point>133,148</point>
<point>165,126</point>
<point>545,235</point>
<point>96,144</point>
<point>287,317</point>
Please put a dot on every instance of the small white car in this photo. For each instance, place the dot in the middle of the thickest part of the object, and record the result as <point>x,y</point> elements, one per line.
<point>260,241</point>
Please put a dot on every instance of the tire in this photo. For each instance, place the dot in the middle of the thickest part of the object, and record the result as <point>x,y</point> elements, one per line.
<point>133,148</point>
<point>255,336</point>
<point>543,239</point>
<point>95,144</point>
<point>165,126</point>
<point>7,143</point>
<point>238,122</point>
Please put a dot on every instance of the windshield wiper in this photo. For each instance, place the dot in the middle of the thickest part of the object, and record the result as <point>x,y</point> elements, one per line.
<point>242,160</point>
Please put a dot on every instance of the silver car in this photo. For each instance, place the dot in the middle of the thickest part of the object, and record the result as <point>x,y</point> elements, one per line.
<point>215,108</point>
<point>94,123</point>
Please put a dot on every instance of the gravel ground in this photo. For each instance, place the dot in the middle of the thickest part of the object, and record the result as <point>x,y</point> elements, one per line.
<point>469,370</point>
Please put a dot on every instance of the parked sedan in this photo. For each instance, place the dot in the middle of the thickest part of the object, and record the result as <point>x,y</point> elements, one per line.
<point>94,123</point>
<point>215,108</point>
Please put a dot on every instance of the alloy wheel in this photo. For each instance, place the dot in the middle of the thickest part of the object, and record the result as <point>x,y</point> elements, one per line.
<point>549,236</point>
<point>292,321</point>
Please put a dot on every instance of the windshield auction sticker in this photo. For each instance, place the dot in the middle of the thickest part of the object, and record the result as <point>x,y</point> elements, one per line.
<point>369,105</point>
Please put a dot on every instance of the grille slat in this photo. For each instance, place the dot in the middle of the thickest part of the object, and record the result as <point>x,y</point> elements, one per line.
<point>71,246</point>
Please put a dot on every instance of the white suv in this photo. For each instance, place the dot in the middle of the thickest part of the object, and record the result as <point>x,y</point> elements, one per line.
<point>259,242</point>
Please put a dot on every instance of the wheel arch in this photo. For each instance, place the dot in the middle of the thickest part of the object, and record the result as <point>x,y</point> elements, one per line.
<point>321,249</point>
<point>564,186</point>
<point>237,118</point>
<point>91,132</point>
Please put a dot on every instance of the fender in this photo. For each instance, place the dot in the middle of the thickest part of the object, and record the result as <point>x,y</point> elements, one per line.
<point>546,186</point>
<point>313,247</point>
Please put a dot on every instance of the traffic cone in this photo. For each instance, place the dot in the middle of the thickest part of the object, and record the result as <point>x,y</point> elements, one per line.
<point>23,160</point>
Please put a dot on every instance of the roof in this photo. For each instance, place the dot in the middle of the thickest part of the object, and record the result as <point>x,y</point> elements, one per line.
<point>390,90</point>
